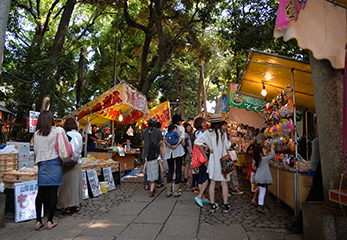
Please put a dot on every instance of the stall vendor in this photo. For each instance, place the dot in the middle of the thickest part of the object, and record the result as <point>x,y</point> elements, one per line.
<point>92,138</point>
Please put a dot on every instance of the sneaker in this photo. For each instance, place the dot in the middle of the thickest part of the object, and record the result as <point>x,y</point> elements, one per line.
<point>254,203</point>
<point>193,189</point>
<point>236,192</point>
<point>206,201</point>
<point>226,208</point>
<point>187,184</point>
<point>214,207</point>
<point>199,201</point>
<point>262,209</point>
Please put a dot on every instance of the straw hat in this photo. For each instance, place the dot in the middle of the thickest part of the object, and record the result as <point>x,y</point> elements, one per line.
<point>215,118</point>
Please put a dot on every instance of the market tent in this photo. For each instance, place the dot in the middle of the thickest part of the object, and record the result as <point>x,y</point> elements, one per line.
<point>245,110</point>
<point>161,112</point>
<point>245,117</point>
<point>318,25</point>
<point>275,73</point>
<point>121,99</point>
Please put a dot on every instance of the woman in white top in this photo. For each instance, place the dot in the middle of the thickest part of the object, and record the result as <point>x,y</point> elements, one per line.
<point>174,155</point>
<point>218,143</point>
<point>50,173</point>
<point>70,193</point>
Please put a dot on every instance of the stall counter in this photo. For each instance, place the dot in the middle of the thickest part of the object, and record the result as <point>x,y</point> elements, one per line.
<point>126,162</point>
<point>283,186</point>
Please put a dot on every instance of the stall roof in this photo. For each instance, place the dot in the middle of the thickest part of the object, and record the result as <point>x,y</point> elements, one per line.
<point>274,72</point>
<point>120,99</point>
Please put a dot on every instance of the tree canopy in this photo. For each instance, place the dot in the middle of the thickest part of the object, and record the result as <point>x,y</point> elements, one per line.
<point>65,49</point>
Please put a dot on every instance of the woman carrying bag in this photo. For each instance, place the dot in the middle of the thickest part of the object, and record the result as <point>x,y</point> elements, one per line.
<point>215,138</point>
<point>70,193</point>
<point>50,167</point>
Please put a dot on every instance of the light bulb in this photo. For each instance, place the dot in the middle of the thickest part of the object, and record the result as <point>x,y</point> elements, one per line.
<point>120,117</point>
<point>263,91</point>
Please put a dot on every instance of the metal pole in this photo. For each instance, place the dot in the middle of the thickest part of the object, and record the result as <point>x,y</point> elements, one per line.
<point>296,175</point>
<point>86,138</point>
<point>306,126</point>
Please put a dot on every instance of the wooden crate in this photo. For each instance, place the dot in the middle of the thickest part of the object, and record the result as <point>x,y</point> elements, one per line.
<point>10,179</point>
<point>8,159</point>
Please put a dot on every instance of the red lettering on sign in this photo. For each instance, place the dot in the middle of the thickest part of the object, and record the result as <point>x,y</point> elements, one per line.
<point>22,200</point>
<point>115,98</point>
<point>107,102</point>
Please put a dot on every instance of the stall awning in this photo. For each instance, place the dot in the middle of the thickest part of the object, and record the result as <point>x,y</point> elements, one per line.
<point>120,99</point>
<point>274,72</point>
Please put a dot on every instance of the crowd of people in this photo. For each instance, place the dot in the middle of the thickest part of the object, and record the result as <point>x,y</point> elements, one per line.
<point>177,151</point>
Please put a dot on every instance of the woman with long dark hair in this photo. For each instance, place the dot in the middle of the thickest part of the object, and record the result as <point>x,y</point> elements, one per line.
<point>215,138</point>
<point>50,167</point>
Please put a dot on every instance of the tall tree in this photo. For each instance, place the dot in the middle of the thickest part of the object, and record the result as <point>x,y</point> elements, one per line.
<point>4,11</point>
<point>168,22</point>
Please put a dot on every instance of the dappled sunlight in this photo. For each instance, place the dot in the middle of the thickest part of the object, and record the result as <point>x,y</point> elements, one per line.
<point>106,224</point>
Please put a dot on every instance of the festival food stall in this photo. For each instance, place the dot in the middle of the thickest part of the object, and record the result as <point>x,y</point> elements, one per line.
<point>121,104</point>
<point>247,111</point>
<point>286,84</point>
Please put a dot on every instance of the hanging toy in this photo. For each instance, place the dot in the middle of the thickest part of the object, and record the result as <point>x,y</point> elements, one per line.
<point>278,128</point>
<point>290,126</point>
<point>290,107</point>
<point>288,92</point>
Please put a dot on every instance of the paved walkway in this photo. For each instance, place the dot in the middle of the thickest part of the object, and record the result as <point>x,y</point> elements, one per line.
<point>129,213</point>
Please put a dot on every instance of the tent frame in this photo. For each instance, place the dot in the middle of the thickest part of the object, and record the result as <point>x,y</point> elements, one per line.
<point>296,173</point>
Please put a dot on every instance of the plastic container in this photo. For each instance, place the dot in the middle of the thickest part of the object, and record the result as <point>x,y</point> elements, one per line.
<point>104,187</point>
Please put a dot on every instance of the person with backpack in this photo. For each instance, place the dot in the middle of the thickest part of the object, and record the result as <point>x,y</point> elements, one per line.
<point>174,153</point>
<point>150,135</point>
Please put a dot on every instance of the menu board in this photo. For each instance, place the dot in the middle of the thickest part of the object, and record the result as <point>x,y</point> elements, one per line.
<point>84,185</point>
<point>94,182</point>
<point>108,177</point>
<point>24,201</point>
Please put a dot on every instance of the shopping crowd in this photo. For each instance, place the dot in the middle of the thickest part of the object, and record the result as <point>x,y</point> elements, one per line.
<point>174,151</point>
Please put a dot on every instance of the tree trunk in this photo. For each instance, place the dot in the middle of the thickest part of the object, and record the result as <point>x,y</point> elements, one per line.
<point>203,84</point>
<point>4,11</point>
<point>115,51</point>
<point>47,87</point>
<point>328,93</point>
<point>80,79</point>
<point>200,85</point>
<point>62,30</point>
<point>162,51</point>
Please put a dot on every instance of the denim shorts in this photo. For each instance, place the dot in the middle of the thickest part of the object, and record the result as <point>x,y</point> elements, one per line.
<point>202,175</point>
<point>50,173</point>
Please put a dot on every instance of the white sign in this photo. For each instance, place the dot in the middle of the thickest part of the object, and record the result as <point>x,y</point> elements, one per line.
<point>84,185</point>
<point>107,172</point>
<point>24,201</point>
<point>94,182</point>
<point>33,116</point>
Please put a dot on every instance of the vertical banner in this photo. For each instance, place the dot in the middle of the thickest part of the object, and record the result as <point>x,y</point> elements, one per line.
<point>107,173</point>
<point>84,185</point>
<point>94,182</point>
<point>33,116</point>
<point>24,201</point>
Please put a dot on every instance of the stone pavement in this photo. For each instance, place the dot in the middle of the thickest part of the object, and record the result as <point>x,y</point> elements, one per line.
<point>129,213</point>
